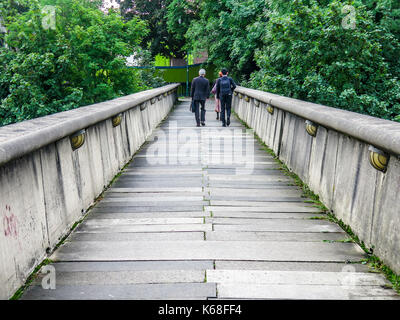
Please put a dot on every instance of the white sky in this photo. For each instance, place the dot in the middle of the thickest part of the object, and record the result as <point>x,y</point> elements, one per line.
<point>110,3</point>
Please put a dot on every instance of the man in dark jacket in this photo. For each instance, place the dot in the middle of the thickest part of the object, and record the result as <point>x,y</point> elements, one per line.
<point>200,92</point>
<point>225,87</point>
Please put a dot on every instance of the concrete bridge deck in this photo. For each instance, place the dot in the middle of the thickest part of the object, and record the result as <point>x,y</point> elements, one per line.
<point>190,219</point>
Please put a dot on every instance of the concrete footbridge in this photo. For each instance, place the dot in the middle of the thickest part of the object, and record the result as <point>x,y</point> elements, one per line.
<point>128,199</point>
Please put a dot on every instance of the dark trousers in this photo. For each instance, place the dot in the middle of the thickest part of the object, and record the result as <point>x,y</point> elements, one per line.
<point>197,104</point>
<point>226,106</point>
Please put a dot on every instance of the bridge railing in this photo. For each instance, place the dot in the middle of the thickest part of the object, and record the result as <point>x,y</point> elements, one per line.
<point>53,168</point>
<point>350,160</point>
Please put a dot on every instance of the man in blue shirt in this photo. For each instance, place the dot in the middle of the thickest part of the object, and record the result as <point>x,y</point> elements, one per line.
<point>225,87</point>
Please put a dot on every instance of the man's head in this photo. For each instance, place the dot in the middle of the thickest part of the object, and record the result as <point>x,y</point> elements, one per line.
<point>224,72</point>
<point>202,72</point>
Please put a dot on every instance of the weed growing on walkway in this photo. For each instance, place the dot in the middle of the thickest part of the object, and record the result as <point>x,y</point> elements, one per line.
<point>30,279</point>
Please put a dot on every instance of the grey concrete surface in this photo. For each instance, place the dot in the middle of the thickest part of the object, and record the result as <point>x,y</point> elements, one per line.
<point>250,235</point>
<point>282,225</point>
<point>267,215</point>
<point>379,132</point>
<point>46,186</point>
<point>295,277</point>
<point>153,214</point>
<point>19,139</point>
<point>274,207</point>
<point>147,228</point>
<point>181,235</point>
<point>335,163</point>
<point>208,250</point>
<point>304,292</point>
<point>124,277</point>
<point>199,230</point>
<point>175,291</point>
<point>289,266</point>
<point>133,266</point>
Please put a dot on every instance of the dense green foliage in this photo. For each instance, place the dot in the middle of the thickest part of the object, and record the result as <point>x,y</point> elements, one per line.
<point>168,22</point>
<point>159,39</point>
<point>308,49</point>
<point>79,62</point>
<point>180,14</point>
<point>231,31</point>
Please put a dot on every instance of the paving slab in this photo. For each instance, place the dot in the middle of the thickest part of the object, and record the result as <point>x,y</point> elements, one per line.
<point>145,228</point>
<point>114,235</point>
<point>291,266</point>
<point>274,236</point>
<point>267,215</point>
<point>239,150</point>
<point>208,250</point>
<point>344,278</point>
<point>165,162</point>
<point>132,266</point>
<point>267,208</point>
<point>157,184</point>
<point>109,196</point>
<point>284,190</point>
<point>120,277</point>
<point>235,166</point>
<point>140,198</point>
<point>148,178</point>
<point>304,292</point>
<point>147,203</point>
<point>141,221</point>
<point>145,215</point>
<point>250,184</point>
<point>124,292</point>
<point>282,225</point>
<point>232,171</point>
<point>252,178</point>
<point>165,208</point>
<point>193,154</point>
<point>157,171</point>
<point>232,157</point>
<point>161,177</point>
<point>270,199</point>
<point>157,189</point>
<point>244,203</point>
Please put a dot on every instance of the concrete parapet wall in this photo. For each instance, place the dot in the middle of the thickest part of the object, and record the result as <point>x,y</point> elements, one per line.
<point>335,162</point>
<point>46,186</point>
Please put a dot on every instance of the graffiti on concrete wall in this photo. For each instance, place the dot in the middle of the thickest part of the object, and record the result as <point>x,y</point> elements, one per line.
<point>10,223</point>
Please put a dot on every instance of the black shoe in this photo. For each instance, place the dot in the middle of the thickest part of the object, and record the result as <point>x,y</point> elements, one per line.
<point>198,125</point>
<point>217,115</point>
<point>203,124</point>
<point>224,125</point>
<point>228,121</point>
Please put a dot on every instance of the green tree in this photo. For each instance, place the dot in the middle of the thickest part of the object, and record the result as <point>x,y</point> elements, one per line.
<point>180,14</point>
<point>231,31</point>
<point>308,54</point>
<point>303,49</point>
<point>158,40</point>
<point>386,15</point>
<point>9,9</point>
<point>79,62</point>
